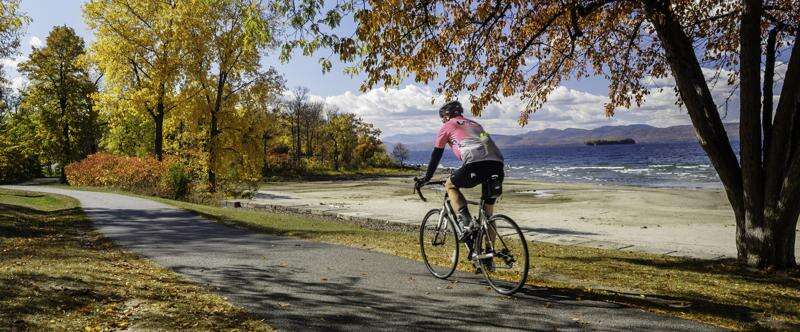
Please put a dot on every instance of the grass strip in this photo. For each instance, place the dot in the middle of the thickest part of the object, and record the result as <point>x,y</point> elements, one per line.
<point>57,274</point>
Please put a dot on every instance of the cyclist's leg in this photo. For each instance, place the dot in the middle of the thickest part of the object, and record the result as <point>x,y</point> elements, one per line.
<point>490,191</point>
<point>464,177</point>
<point>457,199</point>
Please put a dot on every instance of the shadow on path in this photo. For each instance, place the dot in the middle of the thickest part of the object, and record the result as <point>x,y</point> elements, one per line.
<point>296,284</point>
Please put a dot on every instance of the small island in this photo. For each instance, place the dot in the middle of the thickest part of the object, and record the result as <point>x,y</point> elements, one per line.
<point>610,141</point>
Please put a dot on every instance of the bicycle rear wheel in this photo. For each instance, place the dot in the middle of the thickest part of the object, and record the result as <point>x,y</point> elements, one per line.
<point>438,244</point>
<point>503,255</point>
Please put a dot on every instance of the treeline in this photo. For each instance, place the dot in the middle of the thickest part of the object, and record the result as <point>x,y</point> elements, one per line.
<point>172,78</point>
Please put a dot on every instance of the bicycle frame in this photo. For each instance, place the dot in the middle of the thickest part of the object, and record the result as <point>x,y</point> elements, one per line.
<point>481,243</point>
<point>449,212</point>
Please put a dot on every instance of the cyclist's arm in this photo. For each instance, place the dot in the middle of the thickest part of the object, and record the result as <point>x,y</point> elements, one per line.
<point>442,138</point>
<point>436,156</point>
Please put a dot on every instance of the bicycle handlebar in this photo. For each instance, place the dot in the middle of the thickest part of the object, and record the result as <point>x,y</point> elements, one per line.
<point>418,189</point>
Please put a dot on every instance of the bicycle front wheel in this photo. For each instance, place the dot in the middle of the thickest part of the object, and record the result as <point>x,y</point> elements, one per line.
<point>503,255</point>
<point>438,244</point>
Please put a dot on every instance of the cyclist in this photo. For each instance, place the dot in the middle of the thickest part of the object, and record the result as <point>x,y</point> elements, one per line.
<point>481,158</point>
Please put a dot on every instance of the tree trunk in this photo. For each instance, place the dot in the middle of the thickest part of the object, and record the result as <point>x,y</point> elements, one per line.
<point>158,144</point>
<point>702,110</point>
<point>782,170</point>
<point>214,131</point>
<point>212,153</point>
<point>65,144</point>
<point>763,193</point>
<point>759,236</point>
<point>769,79</point>
<point>158,148</point>
<point>65,152</point>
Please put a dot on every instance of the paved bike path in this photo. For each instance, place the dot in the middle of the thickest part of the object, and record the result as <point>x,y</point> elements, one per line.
<point>302,285</point>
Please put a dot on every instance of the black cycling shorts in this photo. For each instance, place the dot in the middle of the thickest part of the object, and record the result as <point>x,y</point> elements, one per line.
<point>473,174</point>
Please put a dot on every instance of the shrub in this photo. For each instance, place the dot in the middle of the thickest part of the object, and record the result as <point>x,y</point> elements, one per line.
<point>18,166</point>
<point>179,181</point>
<point>141,175</point>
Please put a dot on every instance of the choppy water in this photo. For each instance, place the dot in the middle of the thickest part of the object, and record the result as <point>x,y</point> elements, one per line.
<point>650,165</point>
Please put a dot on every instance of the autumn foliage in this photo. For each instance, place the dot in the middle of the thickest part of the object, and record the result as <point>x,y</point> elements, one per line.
<point>142,175</point>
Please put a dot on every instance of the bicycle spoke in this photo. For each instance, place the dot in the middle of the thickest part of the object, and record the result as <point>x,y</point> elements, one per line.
<point>507,270</point>
<point>438,245</point>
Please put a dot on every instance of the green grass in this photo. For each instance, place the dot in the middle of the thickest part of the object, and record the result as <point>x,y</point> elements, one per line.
<point>718,292</point>
<point>37,201</point>
<point>344,174</point>
<point>56,274</point>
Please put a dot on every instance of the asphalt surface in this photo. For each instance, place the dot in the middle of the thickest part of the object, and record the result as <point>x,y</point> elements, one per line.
<point>302,285</point>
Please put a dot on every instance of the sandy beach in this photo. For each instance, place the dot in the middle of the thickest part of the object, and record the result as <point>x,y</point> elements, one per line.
<point>683,222</point>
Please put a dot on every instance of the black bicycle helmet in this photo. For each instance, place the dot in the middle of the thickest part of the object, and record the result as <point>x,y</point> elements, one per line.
<point>451,109</point>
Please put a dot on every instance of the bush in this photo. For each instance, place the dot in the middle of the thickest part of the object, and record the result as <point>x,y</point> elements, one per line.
<point>179,181</point>
<point>17,166</point>
<point>141,175</point>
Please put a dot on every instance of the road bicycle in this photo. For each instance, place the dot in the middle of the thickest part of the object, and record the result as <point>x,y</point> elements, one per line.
<point>498,250</point>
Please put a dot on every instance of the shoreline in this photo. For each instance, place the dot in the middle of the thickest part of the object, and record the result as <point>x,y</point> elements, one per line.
<point>446,170</point>
<point>696,223</point>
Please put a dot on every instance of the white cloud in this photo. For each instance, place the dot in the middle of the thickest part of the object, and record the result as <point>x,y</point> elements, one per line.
<point>35,42</point>
<point>408,110</point>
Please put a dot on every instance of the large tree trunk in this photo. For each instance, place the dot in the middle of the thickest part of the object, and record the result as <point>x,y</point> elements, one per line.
<point>758,235</point>
<point>782,171</point>
<point>765,209</point>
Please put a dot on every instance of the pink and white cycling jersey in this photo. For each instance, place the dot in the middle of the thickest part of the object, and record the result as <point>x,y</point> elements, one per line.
<point>468,140</point>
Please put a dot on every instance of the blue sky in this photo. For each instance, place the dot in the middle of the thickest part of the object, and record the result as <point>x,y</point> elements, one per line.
<point>407,109</point>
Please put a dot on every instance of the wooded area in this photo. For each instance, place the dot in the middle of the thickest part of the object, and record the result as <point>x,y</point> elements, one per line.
<point>171,78</point>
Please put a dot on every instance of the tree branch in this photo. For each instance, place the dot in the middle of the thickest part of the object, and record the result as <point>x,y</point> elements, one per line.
<point>769,79</point>
<point>783,128</point>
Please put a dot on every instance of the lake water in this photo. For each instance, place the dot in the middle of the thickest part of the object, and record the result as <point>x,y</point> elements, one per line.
<point>649,165</point>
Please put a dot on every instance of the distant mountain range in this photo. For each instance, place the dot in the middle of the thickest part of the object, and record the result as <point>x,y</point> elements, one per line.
<point>572,136</point>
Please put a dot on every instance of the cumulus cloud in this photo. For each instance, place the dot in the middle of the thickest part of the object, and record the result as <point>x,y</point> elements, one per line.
<point>412,109</point>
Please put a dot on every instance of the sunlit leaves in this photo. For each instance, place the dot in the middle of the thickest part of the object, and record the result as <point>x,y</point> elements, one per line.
<point>501,48</point>
<point>232,95</point>
<point>12,20</point>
